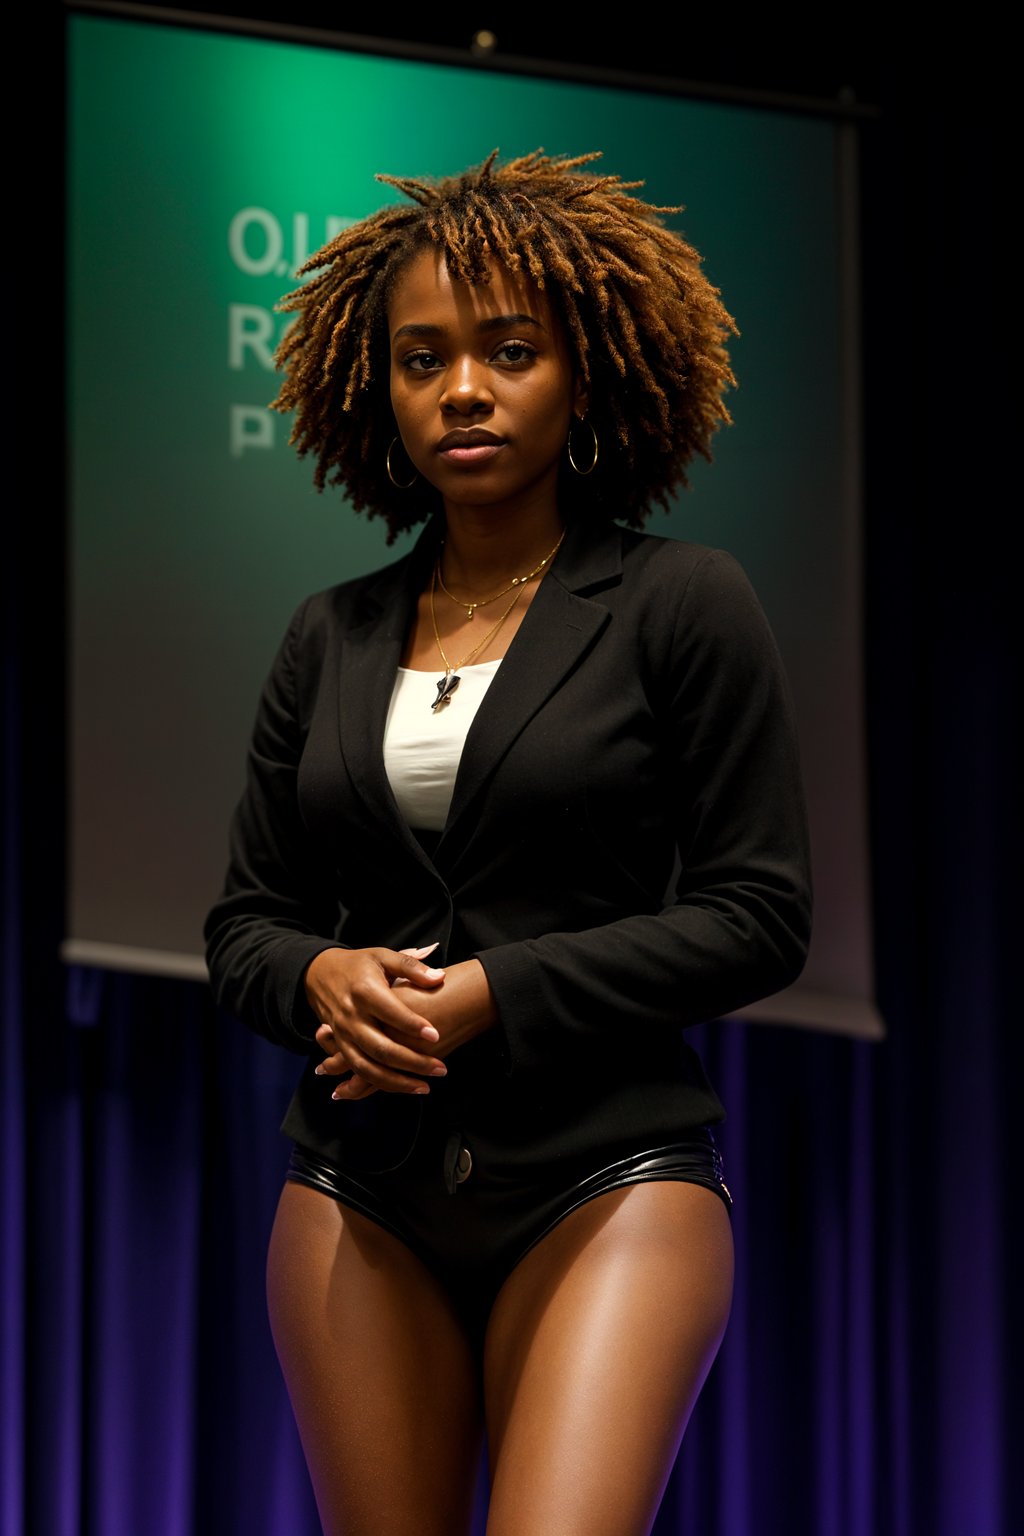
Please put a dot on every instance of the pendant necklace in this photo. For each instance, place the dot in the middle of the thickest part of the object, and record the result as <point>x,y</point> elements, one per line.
<point>447,685</point>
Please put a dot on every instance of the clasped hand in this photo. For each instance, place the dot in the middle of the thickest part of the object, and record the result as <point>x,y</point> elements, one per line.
<point>387,1020</point>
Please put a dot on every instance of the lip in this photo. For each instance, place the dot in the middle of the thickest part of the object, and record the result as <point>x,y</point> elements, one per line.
<point>469,445</point>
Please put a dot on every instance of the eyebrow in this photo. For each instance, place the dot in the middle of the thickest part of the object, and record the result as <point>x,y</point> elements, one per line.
<point>494,323</point>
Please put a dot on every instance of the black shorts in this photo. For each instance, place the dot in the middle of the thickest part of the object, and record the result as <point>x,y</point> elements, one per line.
<point>471,1220</point>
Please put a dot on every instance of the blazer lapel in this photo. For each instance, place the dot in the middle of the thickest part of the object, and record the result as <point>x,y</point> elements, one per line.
<point>369,661</point>
<point>559,626</point>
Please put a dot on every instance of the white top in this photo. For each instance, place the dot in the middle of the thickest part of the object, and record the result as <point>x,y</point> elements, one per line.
<point>422,747</point>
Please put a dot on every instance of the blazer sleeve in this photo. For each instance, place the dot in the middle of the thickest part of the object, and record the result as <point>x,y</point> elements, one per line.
<point>276,911</point>
<point>738,925</point>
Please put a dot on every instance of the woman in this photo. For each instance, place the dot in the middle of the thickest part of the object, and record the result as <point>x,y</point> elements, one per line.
<point>521,807</point>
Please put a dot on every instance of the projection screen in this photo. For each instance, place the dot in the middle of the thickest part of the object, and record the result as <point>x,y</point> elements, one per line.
<point>203,165</point>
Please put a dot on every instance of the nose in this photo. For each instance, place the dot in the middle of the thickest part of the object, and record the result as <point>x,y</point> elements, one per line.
<point>467,389</point>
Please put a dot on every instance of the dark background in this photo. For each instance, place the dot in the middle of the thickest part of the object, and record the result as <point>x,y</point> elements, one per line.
<point>816,59</point>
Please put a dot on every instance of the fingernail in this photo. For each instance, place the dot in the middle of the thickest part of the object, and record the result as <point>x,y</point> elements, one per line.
<point>433,972</point>
<point>421,1089</point>
<point>427,949</point>
<point>428,1032</point>
<point>320,1070</point>
<point>439,1071</point>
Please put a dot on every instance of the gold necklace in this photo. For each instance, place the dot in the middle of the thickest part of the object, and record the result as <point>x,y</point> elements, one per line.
<point>517,581</point>
<point>447,685</point>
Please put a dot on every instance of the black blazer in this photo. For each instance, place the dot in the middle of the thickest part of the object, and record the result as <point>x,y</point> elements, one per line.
<point>626,851</point>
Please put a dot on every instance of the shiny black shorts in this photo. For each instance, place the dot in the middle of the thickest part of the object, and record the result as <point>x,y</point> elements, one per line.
<point>471,1223</point>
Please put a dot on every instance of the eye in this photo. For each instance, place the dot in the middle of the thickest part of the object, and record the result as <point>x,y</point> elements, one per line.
<point>515,352</point>
<point>420,361</point>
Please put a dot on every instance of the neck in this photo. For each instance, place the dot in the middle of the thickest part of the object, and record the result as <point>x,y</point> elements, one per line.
<point>483,549</point>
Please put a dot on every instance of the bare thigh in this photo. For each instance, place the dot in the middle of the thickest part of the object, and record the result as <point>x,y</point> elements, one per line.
<point>597,1348</point>
<point>380,1376</point>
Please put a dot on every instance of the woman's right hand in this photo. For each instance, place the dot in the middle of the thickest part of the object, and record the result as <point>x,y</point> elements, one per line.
<point>360,1009</point>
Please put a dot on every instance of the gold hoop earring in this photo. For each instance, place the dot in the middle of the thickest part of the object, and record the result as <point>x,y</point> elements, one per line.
<point>401,485</point>
<point>583,421</point>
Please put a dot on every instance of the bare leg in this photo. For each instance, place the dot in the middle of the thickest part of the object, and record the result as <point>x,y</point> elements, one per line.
<point>381,1379</point>
<point>597,1348</point>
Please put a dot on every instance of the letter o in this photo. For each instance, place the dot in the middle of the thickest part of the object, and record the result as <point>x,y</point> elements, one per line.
<point>255,266</point>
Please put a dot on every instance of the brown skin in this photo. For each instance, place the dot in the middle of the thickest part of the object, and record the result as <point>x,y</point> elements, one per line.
<point>585,1387</point>
<point>597,1348</point>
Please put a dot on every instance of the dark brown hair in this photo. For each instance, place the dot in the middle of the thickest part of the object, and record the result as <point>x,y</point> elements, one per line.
<point>646,328</point>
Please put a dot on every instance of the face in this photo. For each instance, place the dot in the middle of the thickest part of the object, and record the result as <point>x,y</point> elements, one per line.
<point>482,383</point>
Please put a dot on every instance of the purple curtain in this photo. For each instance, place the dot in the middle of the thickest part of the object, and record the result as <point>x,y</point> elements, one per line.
<point>869,1384</point>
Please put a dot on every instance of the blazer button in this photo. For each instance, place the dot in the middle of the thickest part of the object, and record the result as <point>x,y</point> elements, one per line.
<point>463,1165</point>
